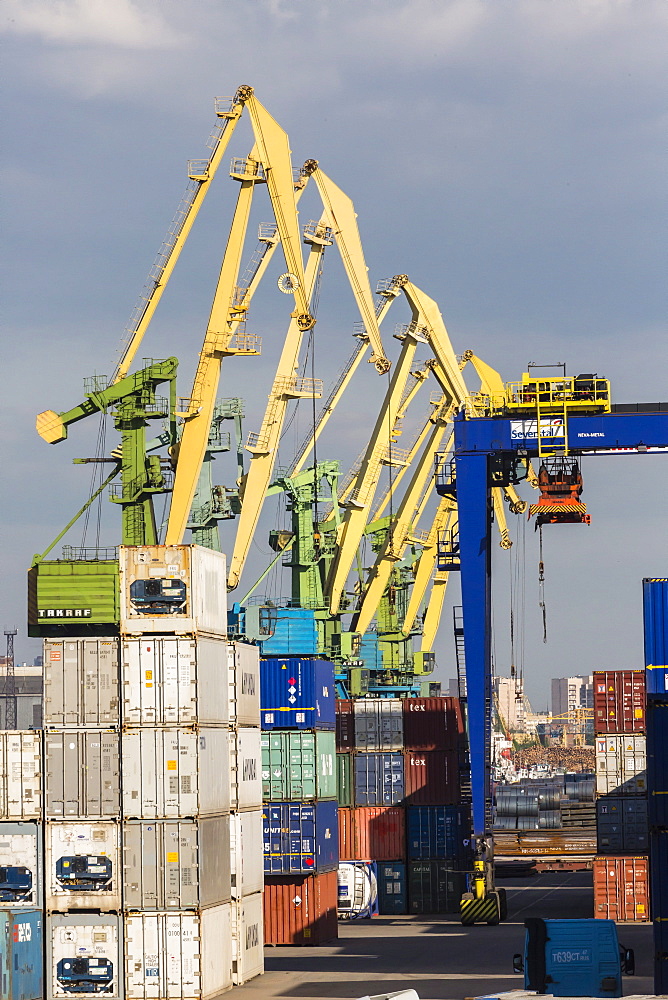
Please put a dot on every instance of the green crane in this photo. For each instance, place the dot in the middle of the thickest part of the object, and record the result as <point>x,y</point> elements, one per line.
<point>83,586</point>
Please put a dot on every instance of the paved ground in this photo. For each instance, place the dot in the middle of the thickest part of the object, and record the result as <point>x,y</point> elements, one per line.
<point>436,956</point>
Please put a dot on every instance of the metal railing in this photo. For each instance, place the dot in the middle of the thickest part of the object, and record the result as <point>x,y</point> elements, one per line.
<point>242,166</point>
<point>95,553</point>
<point>95,383</point>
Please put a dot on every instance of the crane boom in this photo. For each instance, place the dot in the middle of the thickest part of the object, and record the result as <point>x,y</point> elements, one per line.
<point>273,148</point>
<point>263,445</point>
<point>342,218</point>
<point>341,385</point>
<point>361,497</point>
<point>444,518</point>
<point>223,321</point>
<point>401,526</point>
<point>201,174</point>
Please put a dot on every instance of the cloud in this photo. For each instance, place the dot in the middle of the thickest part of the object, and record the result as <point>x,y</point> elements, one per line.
<point>123,24</point>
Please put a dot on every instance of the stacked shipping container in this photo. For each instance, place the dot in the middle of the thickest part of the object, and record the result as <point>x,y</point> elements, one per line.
<point>398,773</point>
<point>655,607</point>
<point>21,865</point>
<point>621,883</point>
<point>151,738</point>
<point>300,830</point>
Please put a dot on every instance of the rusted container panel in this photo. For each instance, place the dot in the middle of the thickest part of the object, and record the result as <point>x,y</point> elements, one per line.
<point>621,888</point>
<point>300,911</point>
<point>431,778</point>
<point>345,725</point>
<point>372,833</point>
<point>433,724</point>
<point>619,701</point>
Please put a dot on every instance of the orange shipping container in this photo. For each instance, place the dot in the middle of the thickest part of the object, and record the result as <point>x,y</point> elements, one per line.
<point>300,911</point>
<point>621,888</point>
<point>372,833</point>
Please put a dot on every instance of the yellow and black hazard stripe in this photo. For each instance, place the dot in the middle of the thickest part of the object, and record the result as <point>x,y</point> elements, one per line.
<point>481,911</point>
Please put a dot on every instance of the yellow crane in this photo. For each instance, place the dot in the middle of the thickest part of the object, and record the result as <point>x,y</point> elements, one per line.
<point>201,174</point>
<point>339,223</point>
<point>269,162</point>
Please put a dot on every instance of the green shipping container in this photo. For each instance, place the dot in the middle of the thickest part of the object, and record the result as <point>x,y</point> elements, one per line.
<point>344,792</point>
<point>298,766</point>
<point>66,595</point>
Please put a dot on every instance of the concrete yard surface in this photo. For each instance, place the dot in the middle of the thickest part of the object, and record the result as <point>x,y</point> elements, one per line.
<point>435,955</point>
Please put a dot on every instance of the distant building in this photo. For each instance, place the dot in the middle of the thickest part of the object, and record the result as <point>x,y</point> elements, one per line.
<point>569,693</point>
<point>510,703</point>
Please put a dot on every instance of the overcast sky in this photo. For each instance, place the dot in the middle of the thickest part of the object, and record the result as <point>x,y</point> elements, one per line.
<point>509,155</point>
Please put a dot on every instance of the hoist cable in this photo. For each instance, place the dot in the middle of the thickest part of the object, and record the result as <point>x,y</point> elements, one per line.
<point>541,582</point>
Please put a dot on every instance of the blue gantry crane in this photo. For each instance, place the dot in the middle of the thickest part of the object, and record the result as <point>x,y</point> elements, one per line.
<point>555,420</point>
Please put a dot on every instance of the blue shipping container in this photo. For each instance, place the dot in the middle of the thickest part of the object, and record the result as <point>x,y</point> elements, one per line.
<point>655,612</point>
<point>21,955</point>
<point>370,651</point>
<point>378,779</point>
<point>300,837</point>
<point>439,832</point>
<point>297,693</point>
<point>621,825</point>
<point>657,762</point>
<point>572,958</point>
<point>392,895</point>
<point>295,634</point>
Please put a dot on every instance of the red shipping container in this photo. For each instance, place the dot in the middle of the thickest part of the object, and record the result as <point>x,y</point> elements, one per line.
<point>619,701</point>
<point>345,725</point>
<point>372,833</point>
<point>433,724</point>
<point>621,888</point>
<point>431,778</point>
<point>300,911</point>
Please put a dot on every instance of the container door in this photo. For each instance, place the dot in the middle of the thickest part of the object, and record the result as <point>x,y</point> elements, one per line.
<point>216,950</point>
<point>325,749</point>
<point>213,876</point>
<point>71,686</point>
<point>140,670</point>
<point>301,766</point>
<point>99,682</point>
<point>213,704</point>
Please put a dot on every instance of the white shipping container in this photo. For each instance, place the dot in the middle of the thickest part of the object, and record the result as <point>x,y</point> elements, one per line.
<point>246,853</point>
<point>20,774</point>
<point>178,956</point>
<point>247,939</point>
<point>244,679</point>
<point>174,682</point>
<point>175,772</point>
<point>379,724</point>
<point>20,868</point>
<point>82,774</point>
<point>81,682</point>
<point>621,765</point>
<point>80,948</point>
<point>245,769</point>
<point>82,866</point>
<point>176,864</point>
<point>180,589</point>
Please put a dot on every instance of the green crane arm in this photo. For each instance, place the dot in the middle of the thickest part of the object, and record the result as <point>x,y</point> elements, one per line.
<point>53,426</point>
